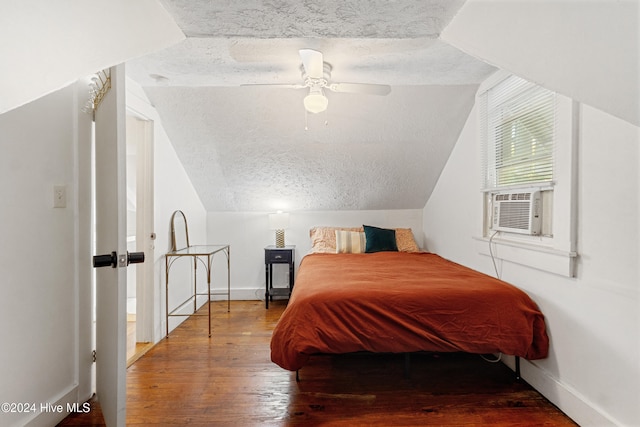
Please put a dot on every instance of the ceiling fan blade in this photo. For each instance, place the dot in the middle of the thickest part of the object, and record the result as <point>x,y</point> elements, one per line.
<point>276,85</point>
<point>369,89</point>
<point>313,63</point>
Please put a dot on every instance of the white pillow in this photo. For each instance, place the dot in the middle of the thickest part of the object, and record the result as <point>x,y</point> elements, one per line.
<point>350,242</point>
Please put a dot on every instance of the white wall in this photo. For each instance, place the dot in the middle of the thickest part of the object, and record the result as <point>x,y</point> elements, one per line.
<point>41,57</point>
<point>44,256</point>
<point>248,233</point>
<point>576,48</point>
<point>592,372</point>
<point>172,191</point>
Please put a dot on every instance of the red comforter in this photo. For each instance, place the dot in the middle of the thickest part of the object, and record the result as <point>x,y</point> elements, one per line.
<point>403,302</point>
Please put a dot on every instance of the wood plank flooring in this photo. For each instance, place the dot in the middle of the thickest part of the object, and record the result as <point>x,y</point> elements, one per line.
<point>228,379</point>
<point>135,350</point>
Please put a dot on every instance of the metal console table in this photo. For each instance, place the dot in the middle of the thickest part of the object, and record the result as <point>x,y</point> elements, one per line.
<point>203,254</point>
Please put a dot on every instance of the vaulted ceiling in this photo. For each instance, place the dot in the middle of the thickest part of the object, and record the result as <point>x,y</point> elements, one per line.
<point>250,148</point>
<point>246,148</point>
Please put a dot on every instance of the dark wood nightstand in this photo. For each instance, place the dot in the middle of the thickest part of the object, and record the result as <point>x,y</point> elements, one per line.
<point>274,255</point>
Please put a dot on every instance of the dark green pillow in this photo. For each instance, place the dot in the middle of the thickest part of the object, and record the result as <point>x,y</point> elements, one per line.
<point>379,239</point>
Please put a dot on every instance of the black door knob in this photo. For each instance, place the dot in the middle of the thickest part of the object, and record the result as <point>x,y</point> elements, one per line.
<point>135,257</point>
<point>106,260</point>
<point>112,259</point>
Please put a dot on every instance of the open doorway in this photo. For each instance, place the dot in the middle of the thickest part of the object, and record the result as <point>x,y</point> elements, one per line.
<point>139,235</point>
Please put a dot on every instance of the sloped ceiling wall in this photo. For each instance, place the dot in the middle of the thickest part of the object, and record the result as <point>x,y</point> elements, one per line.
<point>246,149</point>
<point>587,50</point>
<point>47,45</point>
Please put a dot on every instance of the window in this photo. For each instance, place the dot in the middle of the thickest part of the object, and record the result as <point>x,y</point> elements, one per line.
<point>518,120</point>
<point>529,140</point>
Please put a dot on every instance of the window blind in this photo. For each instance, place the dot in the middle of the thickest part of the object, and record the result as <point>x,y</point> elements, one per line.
<point>517,134</point>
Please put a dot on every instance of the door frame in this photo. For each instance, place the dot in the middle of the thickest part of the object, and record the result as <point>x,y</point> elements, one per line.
<point>145,235</point>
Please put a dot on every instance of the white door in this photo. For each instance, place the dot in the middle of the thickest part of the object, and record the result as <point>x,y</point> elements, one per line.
<point>111,282</point>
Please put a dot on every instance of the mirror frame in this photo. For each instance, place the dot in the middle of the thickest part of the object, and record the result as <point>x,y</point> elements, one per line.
<point>173,230</point>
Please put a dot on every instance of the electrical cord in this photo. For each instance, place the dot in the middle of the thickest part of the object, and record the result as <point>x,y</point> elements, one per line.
<point>495,267</point>
<point>494,360</point>
<point>493,259</point>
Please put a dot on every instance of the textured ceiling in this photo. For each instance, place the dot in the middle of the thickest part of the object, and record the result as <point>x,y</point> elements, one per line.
<point>246,148</point>
<point>245,155</point>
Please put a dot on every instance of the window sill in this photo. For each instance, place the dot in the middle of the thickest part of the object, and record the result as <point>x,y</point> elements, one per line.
<point>538,256</point>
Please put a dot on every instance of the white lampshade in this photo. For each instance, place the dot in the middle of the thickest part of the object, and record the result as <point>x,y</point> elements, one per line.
<point>315,102</point>
<point>278,221</point>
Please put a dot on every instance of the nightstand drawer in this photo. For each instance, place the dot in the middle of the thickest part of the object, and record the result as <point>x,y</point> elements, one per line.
<point>275,256</point>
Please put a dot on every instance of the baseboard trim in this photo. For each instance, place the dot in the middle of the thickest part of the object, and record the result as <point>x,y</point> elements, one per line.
<point>52,416</point>
<point>242,294</point>
<point>567,399</point>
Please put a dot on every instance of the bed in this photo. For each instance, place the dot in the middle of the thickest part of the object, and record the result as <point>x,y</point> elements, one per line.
<point>400,301</point>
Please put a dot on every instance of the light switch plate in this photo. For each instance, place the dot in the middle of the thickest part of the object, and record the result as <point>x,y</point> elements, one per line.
<point>59,196</point>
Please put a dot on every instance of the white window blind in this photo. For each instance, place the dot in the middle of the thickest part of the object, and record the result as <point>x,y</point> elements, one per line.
<point>517,134</point>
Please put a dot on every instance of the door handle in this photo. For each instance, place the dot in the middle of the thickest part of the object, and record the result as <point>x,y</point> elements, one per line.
<point>113,260</point>
<point>106,260</point>
<point>135,257</point>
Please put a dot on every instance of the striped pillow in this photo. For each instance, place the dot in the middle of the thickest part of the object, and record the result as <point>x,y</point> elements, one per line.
<point>350,242</point>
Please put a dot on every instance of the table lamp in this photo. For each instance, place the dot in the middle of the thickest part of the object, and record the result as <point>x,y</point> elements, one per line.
<point>279,221</point>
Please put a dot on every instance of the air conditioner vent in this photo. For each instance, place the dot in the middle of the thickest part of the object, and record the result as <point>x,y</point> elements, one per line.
<point>520,196</point>
<point>517,212</point>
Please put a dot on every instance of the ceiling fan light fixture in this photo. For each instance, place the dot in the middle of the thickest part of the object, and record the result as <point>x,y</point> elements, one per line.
<point>315,102</point>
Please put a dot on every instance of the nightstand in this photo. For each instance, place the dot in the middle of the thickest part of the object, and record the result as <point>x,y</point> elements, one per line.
<point>274,255</point>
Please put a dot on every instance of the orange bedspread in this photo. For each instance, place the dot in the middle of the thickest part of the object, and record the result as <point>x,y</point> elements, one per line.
<point>403,302</point>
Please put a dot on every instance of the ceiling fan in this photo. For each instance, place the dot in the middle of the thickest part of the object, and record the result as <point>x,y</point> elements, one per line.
<point>316,75</point>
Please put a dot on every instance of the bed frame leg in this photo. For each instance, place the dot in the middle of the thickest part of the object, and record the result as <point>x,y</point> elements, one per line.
<point>518,368</point>
<point>297,375</point>
<point>407,365</point>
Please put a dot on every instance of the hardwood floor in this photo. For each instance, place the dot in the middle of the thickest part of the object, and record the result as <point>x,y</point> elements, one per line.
<point>228,379</point>
<point>135,350</point>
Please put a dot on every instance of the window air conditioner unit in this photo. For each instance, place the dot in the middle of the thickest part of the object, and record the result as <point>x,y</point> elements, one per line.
<point>517,212</point>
